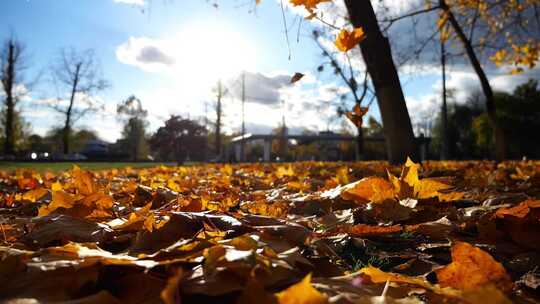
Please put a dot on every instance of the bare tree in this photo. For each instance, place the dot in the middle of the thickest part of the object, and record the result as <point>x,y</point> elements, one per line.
<point>77,76</point>
<point>348,76</point>
<point>13,65</point>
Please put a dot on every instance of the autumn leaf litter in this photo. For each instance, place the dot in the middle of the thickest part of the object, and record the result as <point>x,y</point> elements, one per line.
<point>310,232</point>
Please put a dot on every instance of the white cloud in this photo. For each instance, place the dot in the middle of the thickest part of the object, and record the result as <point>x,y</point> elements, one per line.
<point>151,55</point>
<point>132,2</point>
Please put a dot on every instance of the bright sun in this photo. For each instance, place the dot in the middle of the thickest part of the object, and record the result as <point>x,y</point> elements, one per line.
<point>209,53</point>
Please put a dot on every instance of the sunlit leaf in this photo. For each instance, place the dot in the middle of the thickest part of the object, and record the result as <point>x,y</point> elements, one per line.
<point>300,293</point>
<point>471,268</point>
<point>346,40</point>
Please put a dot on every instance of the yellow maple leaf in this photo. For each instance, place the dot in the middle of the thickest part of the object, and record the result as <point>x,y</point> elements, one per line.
<point>301,293</point>
<point>34,195</point>
<point>375,189</point>
<point>56,186</point>
<point>422,188</point>
<point>347,40</point>
<point>309,5</point>
<point>59,199</point>
<point>471,268</point>
<point>378,276</point>
<point>83,181</point>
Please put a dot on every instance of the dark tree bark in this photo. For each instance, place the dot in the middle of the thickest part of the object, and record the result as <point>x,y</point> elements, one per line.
<point>218,121</point>
<point>445,151</point>
<point>11,65</point>
<point>67,124</point>
<point>380,65</point>
<point>500,139</point>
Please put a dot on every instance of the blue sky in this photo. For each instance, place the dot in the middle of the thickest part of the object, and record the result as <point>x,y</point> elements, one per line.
<point>197,37</point>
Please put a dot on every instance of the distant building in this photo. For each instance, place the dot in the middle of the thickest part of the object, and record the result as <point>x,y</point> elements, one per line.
<point>95,148</point>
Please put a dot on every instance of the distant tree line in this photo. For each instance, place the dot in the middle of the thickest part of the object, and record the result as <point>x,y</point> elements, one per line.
<point>77,79</point>
<point>469,133</point>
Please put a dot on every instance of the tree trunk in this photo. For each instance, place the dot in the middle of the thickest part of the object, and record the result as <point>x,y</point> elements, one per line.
<point>218,121</point>
<point>67,125</point>
<point>445,149</point>
<point>8,82</point>
<point>380,65</point>
<point>499,136</point>
<point>65,134</point>
<point>360,143</point>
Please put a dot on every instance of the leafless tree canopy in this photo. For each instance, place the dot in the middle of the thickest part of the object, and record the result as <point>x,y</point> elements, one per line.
<point>77,76</point>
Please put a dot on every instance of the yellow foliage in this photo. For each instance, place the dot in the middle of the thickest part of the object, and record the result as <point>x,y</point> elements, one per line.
<point>377,189</point>
<point>309,5</point>
<point>34,195</point>
<point>346,40</point>
<point>59,199</point>
<point>301,293</point>
<point>471,268</point>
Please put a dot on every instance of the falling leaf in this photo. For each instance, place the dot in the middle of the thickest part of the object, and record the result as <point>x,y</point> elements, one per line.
<point>357,115</point>
<point>346,40</point>
<point>296,77</point>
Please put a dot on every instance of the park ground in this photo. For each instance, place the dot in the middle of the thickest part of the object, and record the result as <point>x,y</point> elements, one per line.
<point>281,233</point>
<point>61,166</point>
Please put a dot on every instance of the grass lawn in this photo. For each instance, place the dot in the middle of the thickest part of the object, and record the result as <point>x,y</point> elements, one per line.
<point>61,166</point>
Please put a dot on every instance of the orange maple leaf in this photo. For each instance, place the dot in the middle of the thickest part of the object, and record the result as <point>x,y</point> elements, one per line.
<point>471,268</point>
<point>346,40</point>
<point>301,292</point>
<point>310,5</point>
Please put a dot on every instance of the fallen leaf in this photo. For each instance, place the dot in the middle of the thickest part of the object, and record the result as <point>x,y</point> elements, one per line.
<point>301,293</point>
<point>171,293</point>
<point>471,268</point>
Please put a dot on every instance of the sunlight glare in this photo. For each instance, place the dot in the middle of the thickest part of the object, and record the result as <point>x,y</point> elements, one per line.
<point>206,54</point>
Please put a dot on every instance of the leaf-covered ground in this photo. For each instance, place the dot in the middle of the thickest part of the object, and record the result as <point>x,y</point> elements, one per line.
<point>367,232</point>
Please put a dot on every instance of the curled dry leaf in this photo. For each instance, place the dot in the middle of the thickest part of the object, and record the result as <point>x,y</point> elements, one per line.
<point>522,222</point>
<point>357,114</point>
<point>296,77</point>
